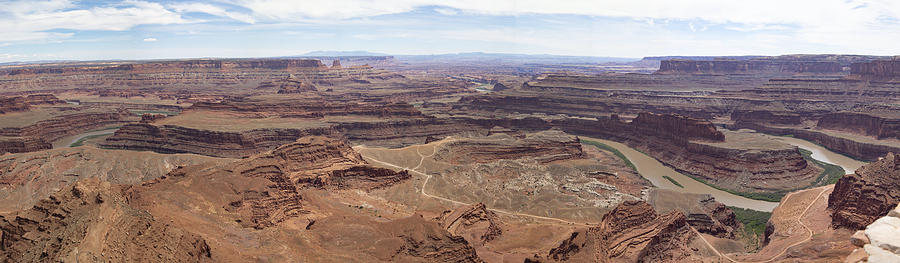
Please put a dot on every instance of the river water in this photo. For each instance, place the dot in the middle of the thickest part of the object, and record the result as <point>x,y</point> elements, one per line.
<point>67,141</point>
<point>654,171</point>
<point>820,153</point>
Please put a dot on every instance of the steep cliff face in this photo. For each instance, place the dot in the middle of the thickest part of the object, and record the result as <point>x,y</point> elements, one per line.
<point>677,126</point>
<point>750,170</point>
<point>22,144</point>
<point>271,193</point>
<point>761,116</point>
<point>546,146</point>
<point>856,149</point>
<point>859,199</point>
<point>632,232</point>
<point>70,124</point>
<point>91,221</point>
<point>876,70</point>
<point>861,123</point>
<point>394,133</point>
<point>703,212</point>
<point>23,103</point>
<point>177,139</point>
<point>312,108</point>
<point>746,66</point>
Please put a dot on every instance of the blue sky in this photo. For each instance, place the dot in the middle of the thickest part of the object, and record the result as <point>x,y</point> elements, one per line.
<point>137,29</point>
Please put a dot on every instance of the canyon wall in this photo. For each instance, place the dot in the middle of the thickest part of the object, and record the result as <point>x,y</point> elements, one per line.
<point>876,70</point>
<point>861,123</point>
<point>871,192</point>
<point>632,232</point>
<point>23,103</point>
<point>754,66</point>
<point>177,139</point>
<point>858,150</point>
<point>546,146</point>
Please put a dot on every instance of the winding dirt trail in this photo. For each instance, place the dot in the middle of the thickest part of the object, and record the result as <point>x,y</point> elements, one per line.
<point>428,177</point>
<point>799,221</point>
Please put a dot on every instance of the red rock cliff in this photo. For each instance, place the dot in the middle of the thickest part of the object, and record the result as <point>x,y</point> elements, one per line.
<point>860,198</point>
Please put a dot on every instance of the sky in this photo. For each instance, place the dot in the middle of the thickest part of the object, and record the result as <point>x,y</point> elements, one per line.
<point>32,30</point>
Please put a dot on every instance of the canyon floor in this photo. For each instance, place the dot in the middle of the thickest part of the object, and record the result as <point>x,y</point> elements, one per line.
<point>378,159</point>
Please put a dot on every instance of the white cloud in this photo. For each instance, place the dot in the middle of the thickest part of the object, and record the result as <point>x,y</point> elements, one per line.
<point>212,10</point>
<point>150,39</point>
<point>27,20</point>
<point>826,22</point>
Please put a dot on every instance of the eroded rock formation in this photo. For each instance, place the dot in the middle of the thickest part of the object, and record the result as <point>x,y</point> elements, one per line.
<point>312,161</point>
<point>23,103</point>
<point>632,232</point>
<point>475,222</point>
<point>761,65</point>
<point>860,123</point>
<point>91,221</point>
<point>547,146</point>
<point>860,198</point>
<point>877,70</point>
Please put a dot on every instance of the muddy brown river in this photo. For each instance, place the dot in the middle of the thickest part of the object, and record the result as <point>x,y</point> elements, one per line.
<point>654,171</point>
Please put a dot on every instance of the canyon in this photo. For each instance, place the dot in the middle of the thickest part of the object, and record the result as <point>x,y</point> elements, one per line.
<point>442,159</point>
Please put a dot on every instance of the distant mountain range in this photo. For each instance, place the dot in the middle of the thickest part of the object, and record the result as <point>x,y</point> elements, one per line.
<point>354,53</point>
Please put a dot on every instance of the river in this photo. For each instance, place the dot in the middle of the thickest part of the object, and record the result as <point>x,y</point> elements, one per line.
<point>820,153</point>
<point>68,141</point>
<point>654,171</point>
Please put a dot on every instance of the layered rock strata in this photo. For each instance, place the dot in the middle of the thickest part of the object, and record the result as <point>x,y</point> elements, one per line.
<point>703,212</point>
<point>672,66</point>
<point>91,221</point>
<point>23,103</point>
<point>177,139</point>
<point>475,222</point>
<point>860,123</point>
<point>313,161</point>
<point>547,146</point>
<point>857,149</point>
<point>632,232</point>
<point>860,198</point>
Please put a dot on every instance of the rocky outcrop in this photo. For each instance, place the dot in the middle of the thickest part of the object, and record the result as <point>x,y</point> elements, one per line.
<point>879,242</point>
<point>414,239</point>
<point>885,70</point>
<point>22,144</point>
<point>703,212</point>
<point>760,65</point>
<point>91,221</point>
<point>177,139</point>
<point>475,222</point>
<point>545,146</point>
<point>632,232</point>
<point>309,162</point>
<point>859,199</point>
<point>856,149</point>
<point>676,125</point>
<point>861,123</point>
<point>767,117</point>
<point>742,169</point>
<point>397,133</point>
<point>291,84</point>
<point>23,103</point>
<point>314,108</point>
<point>69,124</point>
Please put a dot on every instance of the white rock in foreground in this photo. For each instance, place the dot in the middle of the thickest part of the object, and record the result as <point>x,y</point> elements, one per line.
<point>885,234</point>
